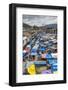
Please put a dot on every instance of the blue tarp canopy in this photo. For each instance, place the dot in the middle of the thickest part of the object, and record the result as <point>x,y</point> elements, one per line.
<point>40,62</point>
<point>49,56</point>
<point>42,48</point>
<point>33,52</point>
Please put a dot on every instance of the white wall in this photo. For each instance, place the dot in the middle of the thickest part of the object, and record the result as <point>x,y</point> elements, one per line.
<point>4,44</point>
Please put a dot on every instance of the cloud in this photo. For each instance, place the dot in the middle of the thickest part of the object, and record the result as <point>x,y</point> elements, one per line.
<point>39,20</point>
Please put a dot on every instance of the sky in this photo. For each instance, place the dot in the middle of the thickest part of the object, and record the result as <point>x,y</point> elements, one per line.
<point>39,20</point>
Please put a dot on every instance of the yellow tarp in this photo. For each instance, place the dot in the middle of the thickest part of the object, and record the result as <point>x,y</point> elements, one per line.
<point>31,69</point>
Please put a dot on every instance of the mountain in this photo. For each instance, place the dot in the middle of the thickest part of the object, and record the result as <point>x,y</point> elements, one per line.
<point>26,27</point>
<point>49,26</point>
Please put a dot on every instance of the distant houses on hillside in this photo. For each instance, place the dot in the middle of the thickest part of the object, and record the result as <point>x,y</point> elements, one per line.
<point>51,28</point>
